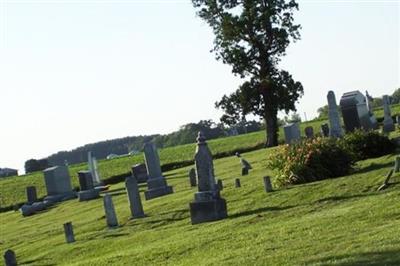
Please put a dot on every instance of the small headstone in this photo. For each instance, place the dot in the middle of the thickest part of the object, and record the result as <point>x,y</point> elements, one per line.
<point>388,125</point>
<point>140,172</point>
<point>245,171</point>
<point>333,115</point>
<point>111,216</point>
<point>246,166</point>
<point>135,203</point>
<point>69,233</point>
<point>237,182</point>
<point>309,132</point>
<point>31,194</point>
<point>192,177</point>
<point>85,180</point>
<point>292,133</point>
<point>267,184</point>
<point>10,258</point>
<point>397,164</point>
<point>220,185</point>
<point>325,130</point>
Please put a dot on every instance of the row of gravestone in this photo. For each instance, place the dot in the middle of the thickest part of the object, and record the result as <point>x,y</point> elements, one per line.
<point>356,113</point>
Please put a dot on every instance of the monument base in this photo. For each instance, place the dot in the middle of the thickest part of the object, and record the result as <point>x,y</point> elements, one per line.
<point>28,209</point>
<point>207,211</point>
<point>88,194</point>
<point>388,127</point>
<point>158,192</point>
<point>60,197</point>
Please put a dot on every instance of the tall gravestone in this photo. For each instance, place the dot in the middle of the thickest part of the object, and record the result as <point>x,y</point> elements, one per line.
<point>111,216</point>
<point>92,162</point>
<point>208,205</point>
<point>333,114</point>
<point>156,183</point>
<point>292,133</point>
<point>58,184</point>
<point>388,124</point>
<point>135,203</point>
<point>31,194</point>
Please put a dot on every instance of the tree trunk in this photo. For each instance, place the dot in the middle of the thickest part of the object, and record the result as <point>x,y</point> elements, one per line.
<point>271,122</point>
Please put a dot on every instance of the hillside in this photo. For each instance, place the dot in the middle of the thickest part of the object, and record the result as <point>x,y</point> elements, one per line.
<point>341,221</point>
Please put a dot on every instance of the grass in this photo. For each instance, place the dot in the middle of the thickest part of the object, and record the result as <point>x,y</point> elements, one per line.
<point>342,221</point>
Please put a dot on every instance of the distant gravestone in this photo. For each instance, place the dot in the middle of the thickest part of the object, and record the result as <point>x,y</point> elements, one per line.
<point>156,184</point>
<point>355,111</point>
<point>309,132</point>
<point>237,182</point>
<point>292,133</point>
<point>85,180</point>
<point>208,204</point>
<point>10,258</point>
<point>69,233</point>
<point>333,115</point>
<point>397,164</point>
<point>246,166</point>
<point>388,125</point>
<point>139,171</point>
<point>267,184</point>
<point>192,177</point>
<point>220,184</point>
<point>111,216</point>
<point>325,130</point>
<point>58,183</point>
<point>31,194</point>
<point>135,203</point>
<point>93,168</point>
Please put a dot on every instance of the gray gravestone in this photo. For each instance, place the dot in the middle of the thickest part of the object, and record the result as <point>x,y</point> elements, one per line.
<point>208,204</point>
<point>267,184</point>
<point>69,233</point>
<point>192,177</point>
<point>31,194</point>
<point>325,130</point>
<point>237,182</point>
<point>58,183</point>
<point>388,124</point>
<point>309,132</point>
<point>10,258</point>
<point>333,115</point>
<point>355,112</point>
<point>111,216</point>
<point>140,172</point>
<point>156,184</point>
<point>292,133</point>
<point>85,180</point>
<point>135,202</point>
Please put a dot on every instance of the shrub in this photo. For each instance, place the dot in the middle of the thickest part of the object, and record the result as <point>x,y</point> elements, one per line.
<point>311,160</point>
<point>367,144</point>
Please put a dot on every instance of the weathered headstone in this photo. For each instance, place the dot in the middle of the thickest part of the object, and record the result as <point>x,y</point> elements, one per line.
<point>237,182</point>
<point>388,124</point>
<point>10,258</point>
<point>156,184</point>
<point>245,171</point>
<point>58,183</point>
<point>208,204</point>
<point>69,233</point>
<point>192,177</point>
<point>355,112</point>
<point>267,184</point>
<point>292,133</point>
<point>325,130</point>
<point>309,132</point>
<point>111,216</point>
<point>31,194</point>
<point>333,115</point>
<point>87,192</point>
<point>220,185</point>
<point>135,203</point>
<point>140,172</point>
<point>93,168</point>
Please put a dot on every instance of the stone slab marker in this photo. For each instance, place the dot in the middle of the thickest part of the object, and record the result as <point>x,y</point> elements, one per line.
<point>85,180</point>
<point>237,182</point>
<point>325,130</point>
<point>333,114</point>
<point>135,202</point>
<point>69,233</point>
<point>208,205</point>
<point>388,124</point>
<point>31,194</point>
<point>192,177</point>
<point>309,132</point>
<point>111,216</point>
<point>58,183</point>
<point>140,172</point>
<point>292,133</point>
<point>397,164</point>
<point>10,258</point>
<point>156,183</point>
<point>267,184</point>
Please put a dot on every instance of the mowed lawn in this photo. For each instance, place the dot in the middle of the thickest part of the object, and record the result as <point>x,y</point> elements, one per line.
<point>342,221</point>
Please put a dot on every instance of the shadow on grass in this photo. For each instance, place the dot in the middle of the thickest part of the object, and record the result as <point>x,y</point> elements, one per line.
<point>390,258</point>
<point>372,167</point>
<point>35,262</point>
<point>341,198</point>
<point>257,211</point>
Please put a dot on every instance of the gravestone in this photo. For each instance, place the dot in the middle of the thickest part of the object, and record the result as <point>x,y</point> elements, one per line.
<point>87,192</point>
<point>237,182</point>
<point>156,183</point>
<point>192,177</point>
<point>58,184</point>
<point>267,184</point>
<point>388,125</point>
<point>245,171</point>
<point>245,165</point>
<point>333,115</point>
<point>31,194</point>
<point>69,233</point>
<point>10,258</point>
<point>309,132</point>
<point>397,164</point>
<point>140,172</point>
<point>374,122</point>
<point>220,185</point>
<point>135,203</point>
<point>208,205</point>
<point>30,209</point>
<point>292,133</point>
<point>93,168</point>
<point>325,130</point>
<point>355,112</point>
<point>111,216</point>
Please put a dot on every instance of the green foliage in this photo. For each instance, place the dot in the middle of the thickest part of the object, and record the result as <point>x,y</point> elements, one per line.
<point>310,160</point>
<point>34,165</point>
<point>367,144</point>
<point>396,96</point>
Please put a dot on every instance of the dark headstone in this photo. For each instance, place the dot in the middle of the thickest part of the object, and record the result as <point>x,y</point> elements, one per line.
<point>220,185</point>
<point>140,172</point>
<point>267,184</point>
<point>237,182</point>
<point>10,258</point>
<point>355,112</point>
<point>309,132</point>
<point>325,130</point>
<point>192,177</point>
<point>245,171</point>
<point>69,233</point>
<point>85,180</point>
<point>135,203</point>
<point>31,194</point>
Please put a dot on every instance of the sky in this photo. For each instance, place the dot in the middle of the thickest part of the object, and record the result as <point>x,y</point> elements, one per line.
<point>77,72</point>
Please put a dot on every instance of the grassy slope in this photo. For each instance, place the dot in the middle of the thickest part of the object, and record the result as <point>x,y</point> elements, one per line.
<point>342,221</point>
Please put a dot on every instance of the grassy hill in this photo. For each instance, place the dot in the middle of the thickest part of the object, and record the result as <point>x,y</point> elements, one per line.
<point>342,221</point>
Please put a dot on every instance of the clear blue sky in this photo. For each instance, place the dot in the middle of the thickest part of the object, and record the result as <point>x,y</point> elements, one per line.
<point>76,72</point>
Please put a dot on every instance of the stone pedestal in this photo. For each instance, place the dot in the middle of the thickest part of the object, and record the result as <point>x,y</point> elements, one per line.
<point>69,233</point>
<point>30,209</point>
<point>208,211</point>
<point>135,203</point>
<point>90,194</point>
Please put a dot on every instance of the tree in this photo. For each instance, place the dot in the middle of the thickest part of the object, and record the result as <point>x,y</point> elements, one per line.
<point>34,165</point>
<point>294,118</point>
<point>323,111</point>
<point>252,36</point>
<point>396,96</point>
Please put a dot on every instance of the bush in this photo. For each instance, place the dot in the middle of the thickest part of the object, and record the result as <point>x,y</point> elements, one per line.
<point>367,144</point>
<point>311,160</point>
